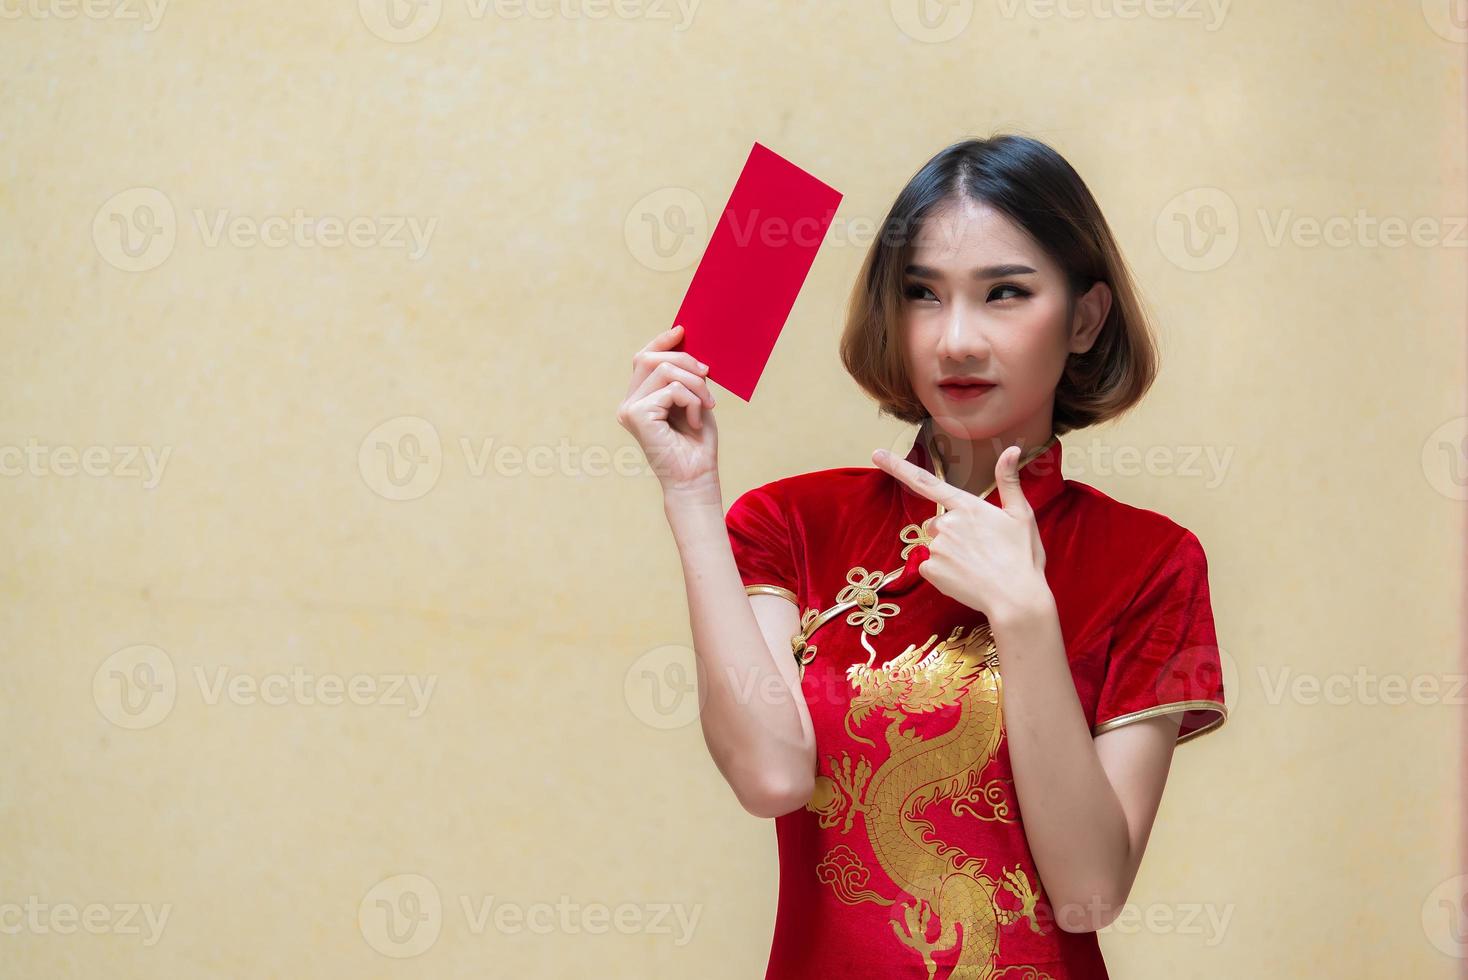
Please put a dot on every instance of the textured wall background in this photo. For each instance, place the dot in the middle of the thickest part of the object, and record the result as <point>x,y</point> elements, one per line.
<point>341,629</point>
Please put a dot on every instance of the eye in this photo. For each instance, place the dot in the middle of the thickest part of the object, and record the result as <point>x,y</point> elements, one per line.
<point>915,290</point>
<point>1019,291</point>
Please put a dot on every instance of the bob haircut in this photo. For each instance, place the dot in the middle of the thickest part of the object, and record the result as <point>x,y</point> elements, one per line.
<point>1036,188</point>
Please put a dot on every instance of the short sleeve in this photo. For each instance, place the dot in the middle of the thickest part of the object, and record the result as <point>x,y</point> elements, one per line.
<point>1164,653</point>
<point>759,535</point>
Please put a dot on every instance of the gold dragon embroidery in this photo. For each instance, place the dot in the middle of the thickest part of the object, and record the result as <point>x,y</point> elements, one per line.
<point>940,878</point>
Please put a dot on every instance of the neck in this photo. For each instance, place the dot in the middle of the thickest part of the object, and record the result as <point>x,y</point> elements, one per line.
<point>969,463</point>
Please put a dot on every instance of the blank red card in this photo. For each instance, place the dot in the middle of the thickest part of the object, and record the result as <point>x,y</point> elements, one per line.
<point>756,261</point>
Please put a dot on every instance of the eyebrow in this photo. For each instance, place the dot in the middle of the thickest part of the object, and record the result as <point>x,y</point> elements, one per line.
<point>983,272</point>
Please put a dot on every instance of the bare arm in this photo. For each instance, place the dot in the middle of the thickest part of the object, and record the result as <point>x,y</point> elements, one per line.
<point>1088,803</point>
<point>752,711</point>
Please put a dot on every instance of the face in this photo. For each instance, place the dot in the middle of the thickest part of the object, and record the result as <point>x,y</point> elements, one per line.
<point>982,301</point>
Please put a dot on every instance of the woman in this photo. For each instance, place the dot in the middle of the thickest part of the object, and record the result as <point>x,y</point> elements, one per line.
<point>959,677</point>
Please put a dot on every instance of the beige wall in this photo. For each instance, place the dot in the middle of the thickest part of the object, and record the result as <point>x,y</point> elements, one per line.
<point>533,157</point>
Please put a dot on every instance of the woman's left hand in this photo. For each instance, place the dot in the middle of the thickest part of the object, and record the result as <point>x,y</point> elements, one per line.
<point>988,558</point>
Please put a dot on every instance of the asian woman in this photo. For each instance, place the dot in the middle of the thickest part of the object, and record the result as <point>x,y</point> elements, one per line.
<point>955,679</point>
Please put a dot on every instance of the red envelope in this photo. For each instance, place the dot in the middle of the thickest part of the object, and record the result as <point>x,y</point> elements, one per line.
<point>756,260</point>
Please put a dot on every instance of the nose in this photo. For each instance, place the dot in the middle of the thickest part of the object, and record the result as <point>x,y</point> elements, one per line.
<point>964,335</point>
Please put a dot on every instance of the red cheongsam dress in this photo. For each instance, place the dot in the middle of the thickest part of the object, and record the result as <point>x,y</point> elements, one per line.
<point>910,858</point>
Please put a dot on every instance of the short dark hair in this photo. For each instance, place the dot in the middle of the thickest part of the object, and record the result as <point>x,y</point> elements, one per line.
<point>1034,186</point>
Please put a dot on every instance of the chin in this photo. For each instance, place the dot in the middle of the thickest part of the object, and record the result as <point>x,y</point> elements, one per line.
<point>966,422</point>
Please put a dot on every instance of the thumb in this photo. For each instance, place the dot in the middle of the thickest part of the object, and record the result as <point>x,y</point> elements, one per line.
<point>1006,475</point>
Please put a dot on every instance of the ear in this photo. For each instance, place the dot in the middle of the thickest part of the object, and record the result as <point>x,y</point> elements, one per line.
<point>1091,309</point>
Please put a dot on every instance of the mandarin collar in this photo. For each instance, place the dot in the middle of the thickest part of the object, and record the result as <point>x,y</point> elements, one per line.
<point>1039,475</point>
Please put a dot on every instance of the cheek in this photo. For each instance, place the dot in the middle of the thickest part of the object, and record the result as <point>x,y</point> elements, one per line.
<point>1027,354</point>
<point>912,339</point>
<point>918,343</point>
<point>1038,343</point>
<point>1045,316</point>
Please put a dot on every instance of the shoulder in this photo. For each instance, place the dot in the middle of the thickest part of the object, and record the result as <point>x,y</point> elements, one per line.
<point>800,491</point>
<point>813,503</point>
<point>1141,537</point>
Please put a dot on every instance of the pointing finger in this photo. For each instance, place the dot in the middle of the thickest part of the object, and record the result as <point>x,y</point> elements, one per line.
<point>920,481</point>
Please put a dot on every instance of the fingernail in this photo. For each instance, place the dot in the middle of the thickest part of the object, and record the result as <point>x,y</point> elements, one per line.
<point>702,366</point>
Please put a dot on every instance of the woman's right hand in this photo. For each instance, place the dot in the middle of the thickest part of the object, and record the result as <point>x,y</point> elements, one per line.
<point>669,409</point>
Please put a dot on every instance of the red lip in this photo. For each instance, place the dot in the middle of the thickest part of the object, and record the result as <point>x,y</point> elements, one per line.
<point>963,392</point>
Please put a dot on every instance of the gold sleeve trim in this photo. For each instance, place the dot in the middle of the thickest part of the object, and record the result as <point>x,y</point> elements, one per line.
<point>1218,707</point>
<point>778,590</point>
